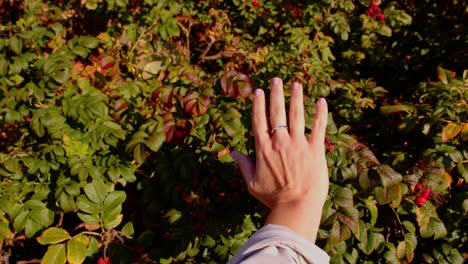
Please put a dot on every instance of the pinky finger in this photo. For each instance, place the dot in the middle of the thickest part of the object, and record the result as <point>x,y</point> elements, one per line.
<point>319,127</point>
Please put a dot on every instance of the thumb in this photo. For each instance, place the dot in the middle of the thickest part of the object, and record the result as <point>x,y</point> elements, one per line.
<point>246,166</point>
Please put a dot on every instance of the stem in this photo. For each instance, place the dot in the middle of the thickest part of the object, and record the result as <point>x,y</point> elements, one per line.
<point>399,221</point>
<point>203,56</point>
<point>143,34</point>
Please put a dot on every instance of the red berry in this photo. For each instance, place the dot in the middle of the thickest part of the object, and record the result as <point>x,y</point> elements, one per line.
<point>381,17</point>
<point>426,192</point>
<point>255,3</point>
<point>420,200</point>
<point>105,260</point>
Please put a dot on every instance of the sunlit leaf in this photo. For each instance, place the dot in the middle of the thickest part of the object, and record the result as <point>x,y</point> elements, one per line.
<point>53,235</point>
<point>172,215</point>
<point>429,222</point>
<point>445,76</point>
<point>451,130</point>
<point>95,191</point>
<point>114,199</point>
<point>55,254</point>
<point>127,229</point>
<point>76,249</point>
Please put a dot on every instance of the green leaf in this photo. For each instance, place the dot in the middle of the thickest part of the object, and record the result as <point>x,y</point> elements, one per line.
<point>76,249</point>
<point>53,235</point>
<point>444,75</point>
<point>89,219</point>
<point>113,223</point>
<point>343,197</point>
<point>385,31</point>
<point>232,123</point>
<point>66,202</point>
<point>391,109</point>
<point>208,241</point>
<point>371,205</point>
<point>55,254</point>
<point>409,226</point>
<point>93,247</point>
<point>12,164</point>
<point>429,222</point>
<point>109,216</point>
<point>20,220</point>
<point>96,191</point>
<point>172,215</point>
<point>85,205</point>
<point>155,141</point>
<point>73,188</point>
<point>388,195</point>
<point>128,230</point>
<point>113,200</point>
<point>3,67</point>
<point>34,204</point>
<point>31,228</point>
<point>44,217</point>
<point>80,51</point>
<point>406,248</point>
<point>367,242</point>
<point>114,173</point>
<point>88,41</point>
<point>16,44</point>
<point>248,225</point>
<point>463,170</point>
<point>61,76</point>
<point>388,176</point>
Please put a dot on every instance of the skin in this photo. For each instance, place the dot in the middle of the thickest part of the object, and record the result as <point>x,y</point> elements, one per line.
<point>290,175</point>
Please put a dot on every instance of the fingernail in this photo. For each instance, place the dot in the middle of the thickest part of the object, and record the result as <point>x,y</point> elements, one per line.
<point>257,92</point>
<point>275,81</point>
<point>235,155</point>
<point>295,86</point>
<point>322,101</point>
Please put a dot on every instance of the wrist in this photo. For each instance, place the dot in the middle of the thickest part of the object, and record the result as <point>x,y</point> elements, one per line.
<point>302,216</point>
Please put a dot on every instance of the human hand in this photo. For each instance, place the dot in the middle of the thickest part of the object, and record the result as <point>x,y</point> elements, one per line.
<point>290,175</point>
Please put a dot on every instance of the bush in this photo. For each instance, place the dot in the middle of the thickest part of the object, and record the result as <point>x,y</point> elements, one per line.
<point>117,118</point>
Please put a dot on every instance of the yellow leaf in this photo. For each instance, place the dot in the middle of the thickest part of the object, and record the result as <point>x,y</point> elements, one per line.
<point>450,131</point>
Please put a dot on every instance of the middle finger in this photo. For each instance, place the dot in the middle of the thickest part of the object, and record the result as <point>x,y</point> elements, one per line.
<point>277,107</point>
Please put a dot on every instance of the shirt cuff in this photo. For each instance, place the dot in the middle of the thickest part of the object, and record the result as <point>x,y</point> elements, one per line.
<point>280,237</point>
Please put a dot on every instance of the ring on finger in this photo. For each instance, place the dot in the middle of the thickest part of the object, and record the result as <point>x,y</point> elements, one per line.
<point>273,130</point>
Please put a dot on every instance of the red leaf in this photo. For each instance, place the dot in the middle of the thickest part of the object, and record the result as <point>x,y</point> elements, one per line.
<point>242,85</point>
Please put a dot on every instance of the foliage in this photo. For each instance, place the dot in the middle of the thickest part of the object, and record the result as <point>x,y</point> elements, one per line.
<point>117,118</point>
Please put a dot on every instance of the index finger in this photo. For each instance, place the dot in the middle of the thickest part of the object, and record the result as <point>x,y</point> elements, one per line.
<point>259,120</point>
